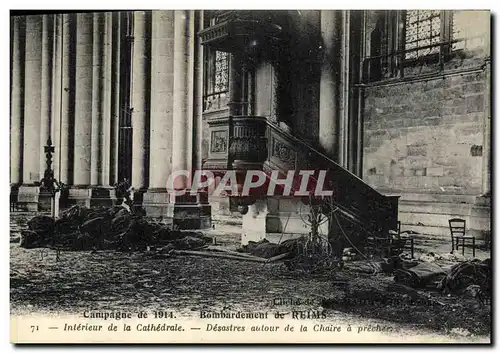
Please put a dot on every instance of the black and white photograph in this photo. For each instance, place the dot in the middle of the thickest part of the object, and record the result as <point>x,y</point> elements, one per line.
<point>250,176</point>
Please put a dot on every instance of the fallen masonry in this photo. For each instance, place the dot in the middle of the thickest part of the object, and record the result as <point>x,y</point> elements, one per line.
<point>81,228</point>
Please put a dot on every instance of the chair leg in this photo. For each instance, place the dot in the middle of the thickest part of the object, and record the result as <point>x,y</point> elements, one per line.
<point>474,247</point>
<point>452,245</point>
<point>463,247</point>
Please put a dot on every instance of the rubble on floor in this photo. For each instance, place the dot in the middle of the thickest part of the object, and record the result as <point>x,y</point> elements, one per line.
<point>476,274</point>
<point>266,249</point>
<point>420,275</point>
<point>82,228</point>
<point>441,273</point>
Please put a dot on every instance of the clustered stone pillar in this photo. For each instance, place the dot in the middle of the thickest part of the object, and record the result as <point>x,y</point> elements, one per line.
<point>115,97</point>
<point>182,95</point>
<point>28,192</point>
<point>186,210</point>
<point>205,208</point>
<point>17,102</point>
<point>162,72</point>
<point>101,109</point>
<point>67,99</point>
<point>140,104</point>
<point>344,90</point>
<point>80,192</point>
<point>56,91</point>
<point>328,104</point>
<point>198,94</point>
<point>104,177</point>
<point>96,163</point>
<point>44,197</point>
<point>46,85</point>
<point>69,67</point>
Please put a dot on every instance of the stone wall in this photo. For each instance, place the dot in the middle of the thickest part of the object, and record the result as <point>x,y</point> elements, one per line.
<point>426,135</point>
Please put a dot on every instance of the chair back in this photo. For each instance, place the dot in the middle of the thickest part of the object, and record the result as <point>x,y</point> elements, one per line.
<point>457,227</point>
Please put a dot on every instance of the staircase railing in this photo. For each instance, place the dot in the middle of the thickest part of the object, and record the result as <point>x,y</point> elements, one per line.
<point>358,202</point>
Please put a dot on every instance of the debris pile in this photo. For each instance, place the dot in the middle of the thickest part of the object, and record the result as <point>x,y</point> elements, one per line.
<point>466,274</point>
<point>266,249</point>
<point>82,228</point>
<point>420,275</point>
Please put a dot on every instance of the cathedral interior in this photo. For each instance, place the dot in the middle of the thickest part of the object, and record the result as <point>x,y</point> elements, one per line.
<point>394,104</point>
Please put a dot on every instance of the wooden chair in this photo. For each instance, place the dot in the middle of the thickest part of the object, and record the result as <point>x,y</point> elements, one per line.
<point>401,242</point>
<point>458,237</point>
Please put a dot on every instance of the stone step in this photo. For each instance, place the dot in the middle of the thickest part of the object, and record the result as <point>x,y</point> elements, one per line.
<point>434,197</point>
<point>440,208</point>
<point>424,219</point>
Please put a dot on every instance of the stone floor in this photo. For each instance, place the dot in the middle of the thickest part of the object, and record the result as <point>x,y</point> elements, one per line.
<point>229,234</point>
<point>125,281</point>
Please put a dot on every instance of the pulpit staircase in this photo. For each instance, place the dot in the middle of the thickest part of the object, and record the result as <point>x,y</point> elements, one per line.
<point>363,214</point>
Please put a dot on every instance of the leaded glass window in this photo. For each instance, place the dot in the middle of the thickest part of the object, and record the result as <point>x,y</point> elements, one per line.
<point>221,72</point>
<point>216,80</point>
<point>423,33</point>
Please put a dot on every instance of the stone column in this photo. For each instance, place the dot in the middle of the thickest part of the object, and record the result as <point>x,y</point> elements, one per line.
<point>28,193</point>
<point>97,99</point>
<point>83,109</point>
<point>162,73</point>
<point>198,93</point>
<point>67,98</point>
<point>140,103</point>
<point>17,102</point>
<point>56,92</point>
<point>185,211</point>
<point>46,85</point>
<point>344,90</point>
<point>99,176</point>
<point>328,104</point>
<point>16,106</point>
<point>106,124</point>
<point>183,94</point>
<point>206,210</point>
<point>115,99</point>
<point>44,202</point>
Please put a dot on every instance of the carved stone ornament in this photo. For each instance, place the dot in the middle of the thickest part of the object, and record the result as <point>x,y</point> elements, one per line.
<point>284,153</point>
<point>219,142</point>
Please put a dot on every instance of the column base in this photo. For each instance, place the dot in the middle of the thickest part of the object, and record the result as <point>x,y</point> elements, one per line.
<point>78,195</point>
<point>276,220</point>
<point>91,196</point>
<point>102,196</point>
<point>27,198</point>
<point>189,211</point>
<point>156,202</point>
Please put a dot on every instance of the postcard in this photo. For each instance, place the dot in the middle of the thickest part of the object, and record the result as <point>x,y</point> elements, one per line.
<point>250,176</point>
